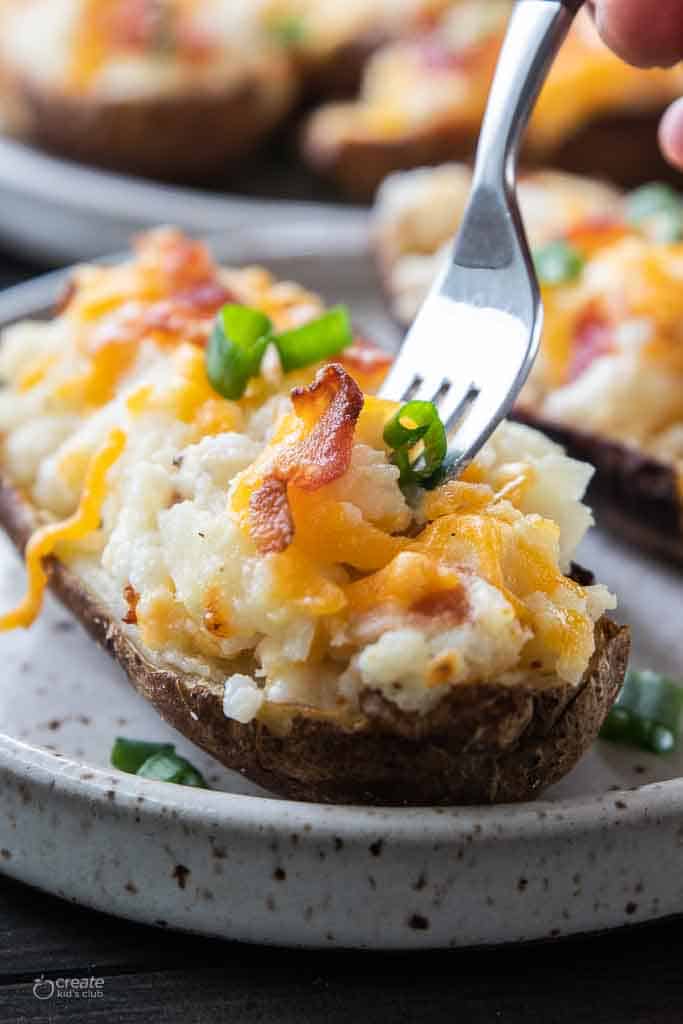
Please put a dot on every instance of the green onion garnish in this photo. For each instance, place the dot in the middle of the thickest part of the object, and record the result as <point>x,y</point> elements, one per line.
<point>129,755</point>
<point>289,29</point>
<point>558,262</point>
<point>647,713</point>
<point>241,336</point>
<point>154,761</point>
<point>238,341</point>
<point>169,767</point>
<point>659,209</point>
<point>414,422</point>
<point>314,341</point>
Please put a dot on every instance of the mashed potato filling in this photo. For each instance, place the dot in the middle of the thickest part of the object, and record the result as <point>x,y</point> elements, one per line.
<point>265,544</point>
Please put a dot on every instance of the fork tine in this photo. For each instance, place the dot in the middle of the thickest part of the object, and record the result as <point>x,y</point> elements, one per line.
<point>402,379</point>
<point>430,389</point>
<point>475,429</point>
<point>454,403</point>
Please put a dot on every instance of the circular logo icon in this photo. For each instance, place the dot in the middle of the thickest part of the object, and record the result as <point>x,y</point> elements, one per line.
<point>43,988</point>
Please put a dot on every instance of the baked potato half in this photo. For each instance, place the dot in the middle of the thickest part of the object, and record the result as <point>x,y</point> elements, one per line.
<point>166,90</point>
<point>330,42</point>
<point>422,100</point>
<point>609,380</point>
<point>226,507</point>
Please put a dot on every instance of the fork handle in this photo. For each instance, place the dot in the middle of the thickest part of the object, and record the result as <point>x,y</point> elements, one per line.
<point>536,30</point>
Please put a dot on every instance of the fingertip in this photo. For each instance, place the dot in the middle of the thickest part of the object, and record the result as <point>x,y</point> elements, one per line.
<point>637,34</point>
<point>671,134</point>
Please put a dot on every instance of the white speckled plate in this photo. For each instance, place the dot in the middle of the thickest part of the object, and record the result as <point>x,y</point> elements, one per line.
<point>602,849</point>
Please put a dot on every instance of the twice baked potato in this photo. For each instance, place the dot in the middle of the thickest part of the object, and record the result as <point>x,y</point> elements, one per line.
<point>422,100</point>
<point>609,379</point>
<point>167,89</point>
<point>272,569</point>
<point>331,42</point>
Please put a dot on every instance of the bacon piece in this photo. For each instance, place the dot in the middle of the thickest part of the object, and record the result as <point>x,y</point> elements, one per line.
<point>135,24</point>
<point>365,357</point>
<point>188,314</point>
<point>192,295</point>
<point>367,363</point>
<point>332,404</point>
<point>270,518</point>
<point>596,232</point>
<point>452,606</point>
<point>593,338</point>
<point>179,261</point>
<point>131,598</point>
<point>330,408</point>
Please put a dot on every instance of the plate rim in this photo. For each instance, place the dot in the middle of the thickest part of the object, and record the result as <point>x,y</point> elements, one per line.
<point>540,819</point>
<point>26,169</point>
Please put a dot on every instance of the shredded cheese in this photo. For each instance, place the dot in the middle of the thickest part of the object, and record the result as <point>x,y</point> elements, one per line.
<point>44,541</point>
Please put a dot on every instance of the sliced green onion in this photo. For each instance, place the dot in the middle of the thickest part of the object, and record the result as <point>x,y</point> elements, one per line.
<point>238,341</point>
<point>289,29</point>
<point>170,767</point>
<point>647,713</point>
<point>558,262</point>
<point>241,336</point>
<point>414,422</point>
<point>154,761</point>
<point>130,755</point>
<point>648,200</point>
<point>659,209</point>
<point>316,340</point>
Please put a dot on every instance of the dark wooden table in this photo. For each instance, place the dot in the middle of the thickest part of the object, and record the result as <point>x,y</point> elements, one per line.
<point>144,975</point>
<point>629,977</point>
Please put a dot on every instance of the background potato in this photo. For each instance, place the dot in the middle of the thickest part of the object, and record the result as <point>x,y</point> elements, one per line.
<point>183,135</point>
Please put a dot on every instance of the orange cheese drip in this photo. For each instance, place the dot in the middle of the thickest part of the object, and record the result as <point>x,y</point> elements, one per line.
<point>43,542</point>
<point>90,45</point>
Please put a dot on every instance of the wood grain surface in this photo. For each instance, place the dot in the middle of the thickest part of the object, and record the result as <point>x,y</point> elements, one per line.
<point>634,975</point>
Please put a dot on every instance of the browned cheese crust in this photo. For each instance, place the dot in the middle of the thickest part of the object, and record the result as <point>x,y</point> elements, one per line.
<point>181,137</point>
<point>622,148</point>
<point>635,494</point>
<point>485,743</point>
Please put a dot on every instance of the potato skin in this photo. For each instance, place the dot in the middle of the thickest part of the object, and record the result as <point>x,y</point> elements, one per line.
<point>635,494</point>
<point>339,74</point>
<point>185,136</point>
<point>622,148</point>
<point>485,743</point>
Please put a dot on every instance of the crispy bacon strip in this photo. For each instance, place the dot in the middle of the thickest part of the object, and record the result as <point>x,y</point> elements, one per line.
<point>181,262</point>
<point>330,407</point>
<point>270,518</point>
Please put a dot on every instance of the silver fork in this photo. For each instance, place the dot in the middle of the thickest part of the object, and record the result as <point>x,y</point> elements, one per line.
<point>477,333</point>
